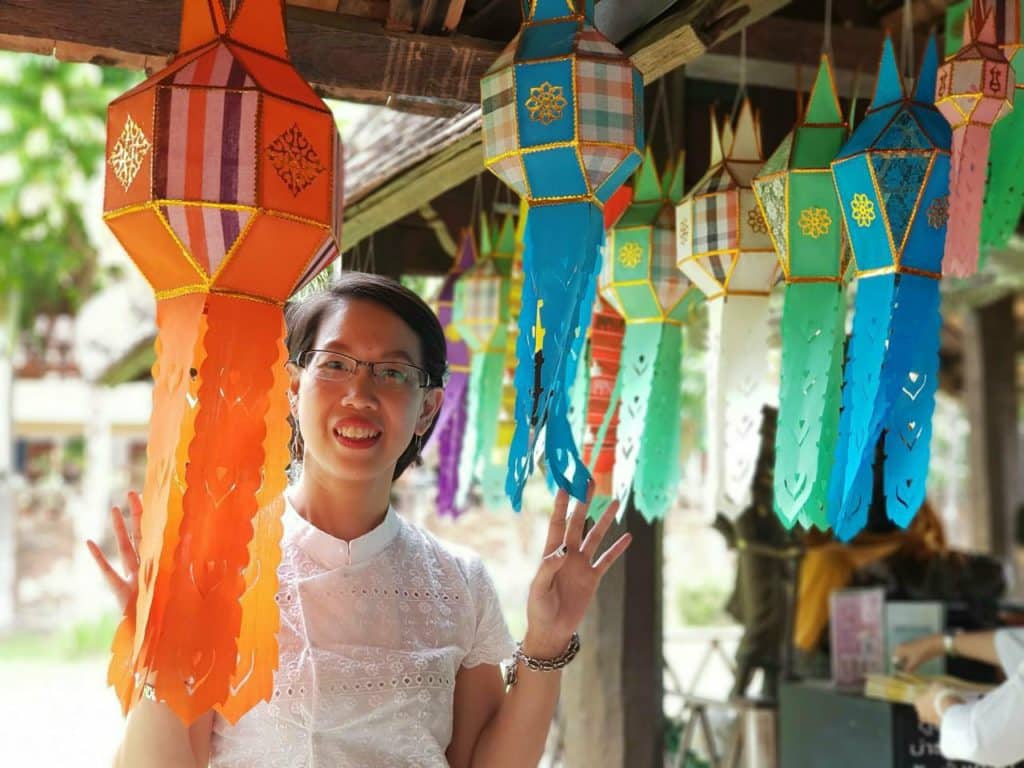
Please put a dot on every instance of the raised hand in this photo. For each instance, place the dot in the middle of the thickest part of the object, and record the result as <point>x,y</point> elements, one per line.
<point>126,587</point>
<point>568,576</point>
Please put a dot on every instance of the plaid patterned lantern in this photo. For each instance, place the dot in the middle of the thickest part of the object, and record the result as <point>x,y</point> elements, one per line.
<point>641,281</point>
<point>223,183</point>
<point>453,419</point>
<point>892,177</point>
<point>974,90</point>
<point>1004,194</point>
<point>481,316</point>
<point>799,202</point>
<point>562,123</point>
<point>725,249</point>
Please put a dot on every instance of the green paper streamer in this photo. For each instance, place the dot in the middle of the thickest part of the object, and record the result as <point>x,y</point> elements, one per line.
<point>484,407</point>
<point>813,319</point>
<point>657,473</point>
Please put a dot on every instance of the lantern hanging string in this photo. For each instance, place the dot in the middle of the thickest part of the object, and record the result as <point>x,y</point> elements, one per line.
<point>826,40</point>
<point>907,43</point>
<point>741,88</point>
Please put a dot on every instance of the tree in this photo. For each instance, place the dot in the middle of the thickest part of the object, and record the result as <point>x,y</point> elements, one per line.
<point>52,139</point>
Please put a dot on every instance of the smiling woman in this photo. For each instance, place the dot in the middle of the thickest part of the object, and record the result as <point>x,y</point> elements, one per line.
<point>390,639</point>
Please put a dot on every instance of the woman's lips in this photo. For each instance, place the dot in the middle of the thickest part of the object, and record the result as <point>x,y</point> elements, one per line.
<point>356,433</point>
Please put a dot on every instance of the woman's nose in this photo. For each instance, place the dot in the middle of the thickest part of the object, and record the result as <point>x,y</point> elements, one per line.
<point>360,388</point>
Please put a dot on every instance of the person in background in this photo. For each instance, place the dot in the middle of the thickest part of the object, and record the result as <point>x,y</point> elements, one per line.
<point>989,730</point>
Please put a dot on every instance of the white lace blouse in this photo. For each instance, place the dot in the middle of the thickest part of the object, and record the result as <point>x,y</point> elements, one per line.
<point>373,632</point>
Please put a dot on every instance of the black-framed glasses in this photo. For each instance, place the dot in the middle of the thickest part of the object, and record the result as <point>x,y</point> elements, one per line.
<point>328,365</point>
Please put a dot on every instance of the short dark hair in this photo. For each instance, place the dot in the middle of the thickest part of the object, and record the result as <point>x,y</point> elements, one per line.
<point>303,319</point>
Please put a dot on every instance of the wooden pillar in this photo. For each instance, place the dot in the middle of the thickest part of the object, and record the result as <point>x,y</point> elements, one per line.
<point>611,704</point>
<point>991,401</point>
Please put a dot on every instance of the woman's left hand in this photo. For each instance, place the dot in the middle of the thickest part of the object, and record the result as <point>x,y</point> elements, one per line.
<point>568,576</point>
<point>933,703</point>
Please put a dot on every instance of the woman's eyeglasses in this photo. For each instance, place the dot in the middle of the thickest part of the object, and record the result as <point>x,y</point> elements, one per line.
<point>337,366</point>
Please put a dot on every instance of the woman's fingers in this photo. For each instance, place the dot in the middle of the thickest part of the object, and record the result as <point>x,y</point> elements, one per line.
<point>607,560</point>
<point>578,519</point>
<point>117,585</point>
<point>129,557</point>
<point>597,533</point>
<point>556,528</point>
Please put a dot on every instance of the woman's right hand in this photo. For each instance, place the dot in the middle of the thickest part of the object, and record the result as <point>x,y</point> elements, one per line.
<point>124,588</point>
<point>909,656</point>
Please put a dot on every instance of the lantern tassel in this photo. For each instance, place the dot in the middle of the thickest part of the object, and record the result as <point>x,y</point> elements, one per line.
<point>482,411</point>
<point>891,380</point>
<point>813,325</point>
<point>564,270</point>
<point>657,471</point>
<point>449,442</point>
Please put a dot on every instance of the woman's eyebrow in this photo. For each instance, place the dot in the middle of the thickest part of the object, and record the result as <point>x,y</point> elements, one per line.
<point>389,355</point>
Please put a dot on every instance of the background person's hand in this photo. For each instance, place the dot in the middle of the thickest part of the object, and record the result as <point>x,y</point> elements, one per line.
<point>933,703</point>
<point>909,656</point>
<point>124,588</point>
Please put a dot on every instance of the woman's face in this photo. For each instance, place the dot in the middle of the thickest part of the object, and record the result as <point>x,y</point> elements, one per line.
<point>357,428</point>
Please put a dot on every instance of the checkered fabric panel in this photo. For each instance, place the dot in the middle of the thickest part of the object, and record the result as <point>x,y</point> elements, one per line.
<point>590,41</point>
<point>600,161</point>
<point>510,170</point>
<point>499,113</point>
<point>479,299</point>
<point>605,93</point>
<point>669,283</point>
<point>714,223</point>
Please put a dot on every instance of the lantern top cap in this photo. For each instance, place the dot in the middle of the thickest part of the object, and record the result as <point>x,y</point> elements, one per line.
<point>746,144</point>
<point>647,183</point>
<point>716,139</point>
<point>823,104</point>
<point>889,85</point>
<point>980,23</point>
<point>545,10</point>
<point>258,24</point>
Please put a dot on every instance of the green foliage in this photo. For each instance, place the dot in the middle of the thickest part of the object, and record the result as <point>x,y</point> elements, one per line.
<point>702,605</point>
<point>79,641</point>
<point>52,141</point>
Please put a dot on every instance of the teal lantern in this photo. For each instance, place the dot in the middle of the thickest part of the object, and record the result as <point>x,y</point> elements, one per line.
<point>562,126</point>
<point>641,281</point>
<point>798,199</point>
<point>892,177</point>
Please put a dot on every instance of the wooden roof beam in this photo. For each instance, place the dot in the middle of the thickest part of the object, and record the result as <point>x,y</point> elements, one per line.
<point>344,57</point>
<point>678,38</point>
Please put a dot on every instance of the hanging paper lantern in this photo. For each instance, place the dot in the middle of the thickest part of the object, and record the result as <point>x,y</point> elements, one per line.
<point>641,281</point>
<point>481,315</point>
<point>223,183</point>
<point>562,123</point>
<point>892,177</point>
<point>453,419</point>
<point>973,92</point>
<point>1004,194</point>
<point>799,203</point>
<point>724,248</point>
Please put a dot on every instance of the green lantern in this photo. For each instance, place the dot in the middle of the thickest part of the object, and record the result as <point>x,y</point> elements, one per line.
<point>642,283</point>
<point>481,316</point>
<point>799,202</point>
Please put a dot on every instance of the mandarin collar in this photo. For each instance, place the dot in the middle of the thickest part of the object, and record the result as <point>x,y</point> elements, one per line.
<point>332,552</point>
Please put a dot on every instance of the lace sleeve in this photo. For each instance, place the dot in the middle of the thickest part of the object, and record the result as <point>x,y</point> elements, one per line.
<point>492,642</point>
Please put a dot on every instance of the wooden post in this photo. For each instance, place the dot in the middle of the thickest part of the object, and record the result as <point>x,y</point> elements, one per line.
<point>991,402</point>
<point>611,704</point>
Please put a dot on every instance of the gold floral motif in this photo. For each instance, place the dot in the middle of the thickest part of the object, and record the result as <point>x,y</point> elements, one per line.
<point>295,160</point>
<point>938,212</point>
<point>863,210</point>
<point>546,103</point>
<point>756,221</point>
<point>130,150</point>
<point>684,232</point>
<point>630,255</point>
<point>815,222</point>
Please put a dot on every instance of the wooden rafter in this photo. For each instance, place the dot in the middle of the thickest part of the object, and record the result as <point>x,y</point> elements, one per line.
<point>344,57</point>
<point>678,39</point>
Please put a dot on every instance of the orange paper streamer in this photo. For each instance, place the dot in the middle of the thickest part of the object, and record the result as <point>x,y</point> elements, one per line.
<point>224,185</point>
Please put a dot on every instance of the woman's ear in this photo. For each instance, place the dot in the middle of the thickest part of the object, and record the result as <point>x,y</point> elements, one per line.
<point>431,407</point>
<point>295,376</point>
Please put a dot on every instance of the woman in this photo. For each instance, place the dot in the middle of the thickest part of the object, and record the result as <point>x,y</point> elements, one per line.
<point>390,640</point>
<point>986,731</point>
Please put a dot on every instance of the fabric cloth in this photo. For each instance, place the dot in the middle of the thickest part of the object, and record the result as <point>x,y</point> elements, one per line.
<point>373,633</point>
<point>988,731</point>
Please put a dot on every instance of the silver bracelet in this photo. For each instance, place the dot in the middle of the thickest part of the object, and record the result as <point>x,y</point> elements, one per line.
<point>540,665</point>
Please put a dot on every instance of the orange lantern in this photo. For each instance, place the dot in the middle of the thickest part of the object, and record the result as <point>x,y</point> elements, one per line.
<point>223,183</point>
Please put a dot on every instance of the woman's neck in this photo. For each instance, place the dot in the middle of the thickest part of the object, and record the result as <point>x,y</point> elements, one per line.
<point>344,508</point>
